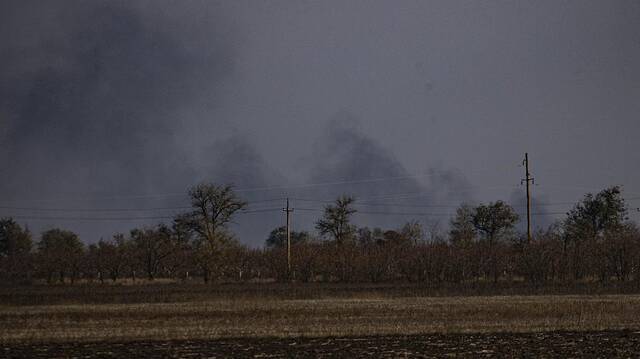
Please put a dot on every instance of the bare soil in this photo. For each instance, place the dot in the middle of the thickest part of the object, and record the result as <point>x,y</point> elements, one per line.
<point>603,344</point>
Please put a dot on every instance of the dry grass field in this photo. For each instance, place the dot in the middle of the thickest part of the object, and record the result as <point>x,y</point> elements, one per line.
<point>316,318</point>
<point>173,320</point>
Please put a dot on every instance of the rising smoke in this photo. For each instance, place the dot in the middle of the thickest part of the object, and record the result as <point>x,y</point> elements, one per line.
<point>92,106</point>
<point>387,192</point>
<point>91,95</point>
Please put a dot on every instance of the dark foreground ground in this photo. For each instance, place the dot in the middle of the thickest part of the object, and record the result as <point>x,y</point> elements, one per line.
<point>603,344</point>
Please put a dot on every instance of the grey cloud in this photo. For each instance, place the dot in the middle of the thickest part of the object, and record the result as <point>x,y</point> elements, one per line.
<point>346,153</point>
<point>106,116</point>
<point>235,161</point>
<point>101,99</point>
<point>90,99</point>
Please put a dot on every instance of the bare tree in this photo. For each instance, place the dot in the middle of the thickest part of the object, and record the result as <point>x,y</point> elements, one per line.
<point>587,223</point>
<point>213,209</point>
<point>60,252</point>
<point>15,251</point>
<point>494,221</point>
<point>462,238</point>
<point>336,220</point>
<point>153,248</point>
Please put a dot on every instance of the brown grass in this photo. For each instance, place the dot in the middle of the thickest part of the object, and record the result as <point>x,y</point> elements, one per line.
<point>371,315</point>
<point>143,292</point>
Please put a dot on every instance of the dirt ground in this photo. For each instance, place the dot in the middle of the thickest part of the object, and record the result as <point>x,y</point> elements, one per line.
<point>603,344</point>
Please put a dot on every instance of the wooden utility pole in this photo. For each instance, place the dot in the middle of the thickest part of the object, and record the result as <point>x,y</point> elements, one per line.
<point>288,211</point>
<point>528,180</point>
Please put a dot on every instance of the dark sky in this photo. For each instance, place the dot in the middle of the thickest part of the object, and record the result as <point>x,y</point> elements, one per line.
<point>413,106</point>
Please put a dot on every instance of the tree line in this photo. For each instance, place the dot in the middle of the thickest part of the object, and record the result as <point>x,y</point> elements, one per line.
<point>594,242</point>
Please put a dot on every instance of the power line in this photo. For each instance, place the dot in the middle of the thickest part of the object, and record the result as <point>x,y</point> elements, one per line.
<point>93,209</point>
<point>67,218</point>
<point>418,205</point>
<point>431,173</point>
<point>380,197</point>
<point>274,209</point>
<point>45,218</point>
<point>549,204</point>
<point>365,204</point>
<point>416,213</point>
<point>114,209</point>
<point>422,193</point>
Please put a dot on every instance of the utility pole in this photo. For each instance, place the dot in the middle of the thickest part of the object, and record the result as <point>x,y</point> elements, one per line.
<point>288,211</point>
<point>528,179</point>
